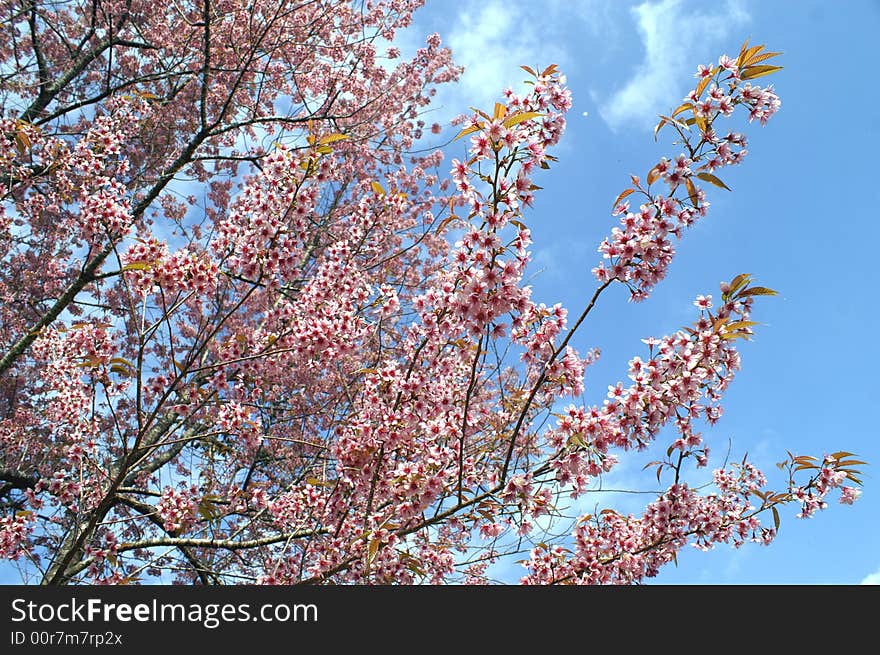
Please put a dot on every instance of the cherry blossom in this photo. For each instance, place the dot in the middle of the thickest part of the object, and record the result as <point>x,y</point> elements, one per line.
<point>257,327</point>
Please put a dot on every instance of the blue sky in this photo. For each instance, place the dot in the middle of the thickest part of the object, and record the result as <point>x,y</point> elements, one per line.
<point>799,219</point>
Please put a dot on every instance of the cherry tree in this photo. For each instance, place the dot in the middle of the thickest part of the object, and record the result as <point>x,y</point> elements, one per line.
<point>252,330</point>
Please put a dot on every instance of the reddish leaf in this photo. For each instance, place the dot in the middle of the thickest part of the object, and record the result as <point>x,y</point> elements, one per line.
<point>711,179</point>
<point>759,291</point>
<point>702,86</point>
<point>516,119</point>
<point>692,191</point>
<point>623,194</point>
<point>752,72</point>
<point>763,57</point>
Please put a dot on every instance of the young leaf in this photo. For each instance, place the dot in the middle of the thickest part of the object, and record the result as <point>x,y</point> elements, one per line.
<point>372,550</point>
<point>742,53</point>
<point>738,325</point>
<point>137,265</point>
<point>22,142</point>
<point>469,130</point>
<point>745,58</point>
<point>739,282</point>
<point>446,221</point>
<point>702,86</point>
<point>692,190</point>
<point>332,138</point>
<point>752,72</point>
<point>763,57</point>
<point>623,194</point>
<point>682,108</point>
<point>481,113</point>
<point>667,119</point>
<point>759,291</point>
<point>516,119</point>
<point>711,179</point>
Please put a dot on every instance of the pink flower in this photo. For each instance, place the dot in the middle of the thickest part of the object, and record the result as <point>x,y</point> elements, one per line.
<point>703,302</point>
<point>848,495</point>
<point>703,71</point>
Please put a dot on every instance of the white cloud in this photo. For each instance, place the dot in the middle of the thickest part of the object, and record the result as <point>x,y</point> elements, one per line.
<point>489,39</point>
<point>676,36</point>
<point>872,579</point>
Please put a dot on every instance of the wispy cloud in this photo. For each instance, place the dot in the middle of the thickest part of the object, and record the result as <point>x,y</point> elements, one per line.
<point>676,35</point>
<point>872,578</point>
<point>491,40</point>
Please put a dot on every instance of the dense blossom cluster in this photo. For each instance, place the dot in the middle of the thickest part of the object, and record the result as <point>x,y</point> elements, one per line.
<point>177,508</point>
<point>640,251</point>
<point>251,332</point>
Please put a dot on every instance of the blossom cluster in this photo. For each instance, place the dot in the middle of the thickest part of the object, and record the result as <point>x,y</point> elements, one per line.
<point>253,331</point>
<point>639,252</point>
<point>177,508</point>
